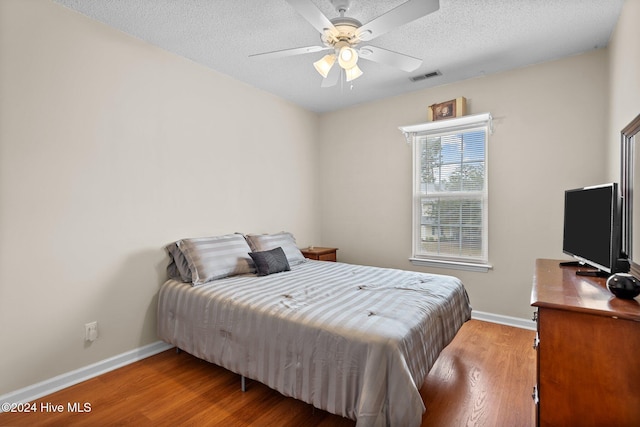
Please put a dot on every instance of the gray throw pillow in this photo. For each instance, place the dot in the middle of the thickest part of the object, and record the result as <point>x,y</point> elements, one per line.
<point>271,261</point>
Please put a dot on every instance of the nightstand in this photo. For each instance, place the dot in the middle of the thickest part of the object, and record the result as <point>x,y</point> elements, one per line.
<point>320,254</point>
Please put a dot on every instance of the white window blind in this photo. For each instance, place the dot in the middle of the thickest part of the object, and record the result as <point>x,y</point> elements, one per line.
<point>450,196</point>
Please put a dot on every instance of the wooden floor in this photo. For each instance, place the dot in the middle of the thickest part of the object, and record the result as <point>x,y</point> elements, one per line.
<point>483,378</point>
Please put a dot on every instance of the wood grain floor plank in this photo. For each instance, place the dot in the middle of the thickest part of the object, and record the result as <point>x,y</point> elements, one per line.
<point>484,377</point>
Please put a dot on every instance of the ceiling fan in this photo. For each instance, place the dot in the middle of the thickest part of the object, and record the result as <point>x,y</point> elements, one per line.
<point>343,36</point>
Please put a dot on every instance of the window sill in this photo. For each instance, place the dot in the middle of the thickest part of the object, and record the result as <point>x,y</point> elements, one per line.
<point>454,265</point>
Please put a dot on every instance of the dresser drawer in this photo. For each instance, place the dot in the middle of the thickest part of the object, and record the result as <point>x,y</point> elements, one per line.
<point>328,257</point>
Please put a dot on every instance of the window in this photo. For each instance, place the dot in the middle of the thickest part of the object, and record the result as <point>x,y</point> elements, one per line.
<point>450,194</point>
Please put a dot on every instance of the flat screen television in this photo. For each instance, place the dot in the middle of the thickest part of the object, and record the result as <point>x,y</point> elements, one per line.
<point>592,229</point>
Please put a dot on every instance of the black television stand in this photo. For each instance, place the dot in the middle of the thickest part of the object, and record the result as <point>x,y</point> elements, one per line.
<point>590,273</point>
<point>593,273</point>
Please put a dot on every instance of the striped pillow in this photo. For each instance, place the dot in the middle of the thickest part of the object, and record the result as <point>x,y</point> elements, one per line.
<point>210,258</point>
<point>285,240</point>
<point>178,267</point>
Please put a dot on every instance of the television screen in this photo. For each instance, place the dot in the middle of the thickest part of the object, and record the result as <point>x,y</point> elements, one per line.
<point>592,226</point>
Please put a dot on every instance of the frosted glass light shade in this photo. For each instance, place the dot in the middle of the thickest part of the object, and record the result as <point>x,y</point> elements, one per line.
<point>353,73</point>
<point>348,57</point>
<point>323,66</point>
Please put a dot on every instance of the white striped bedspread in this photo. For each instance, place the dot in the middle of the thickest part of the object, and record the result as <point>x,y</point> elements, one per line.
<point>356,341</point>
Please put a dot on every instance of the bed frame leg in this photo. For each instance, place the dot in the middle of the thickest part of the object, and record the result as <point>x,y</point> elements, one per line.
<point>177,350</point>
<point>243,383</point>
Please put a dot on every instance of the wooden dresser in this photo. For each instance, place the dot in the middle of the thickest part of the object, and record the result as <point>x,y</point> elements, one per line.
<point>588,350</point>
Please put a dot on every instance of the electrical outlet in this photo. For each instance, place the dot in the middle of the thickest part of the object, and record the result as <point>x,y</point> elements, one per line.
<point>91,331</point>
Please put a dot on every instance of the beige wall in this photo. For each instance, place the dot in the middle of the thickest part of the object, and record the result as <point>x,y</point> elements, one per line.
<point>109,149</point>
<point>550,124</point>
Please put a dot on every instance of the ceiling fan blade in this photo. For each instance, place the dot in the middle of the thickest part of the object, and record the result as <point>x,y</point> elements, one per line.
<point>387,57</point>
<point>289,52</point>
<point>403,14</point>
<point>332,78</point>
<point>311,13</point>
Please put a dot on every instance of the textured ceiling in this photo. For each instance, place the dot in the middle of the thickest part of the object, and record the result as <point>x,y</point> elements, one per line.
<point>463,39</point>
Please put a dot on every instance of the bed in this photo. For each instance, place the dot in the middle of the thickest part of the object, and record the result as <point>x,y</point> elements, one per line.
<point>354,340</point>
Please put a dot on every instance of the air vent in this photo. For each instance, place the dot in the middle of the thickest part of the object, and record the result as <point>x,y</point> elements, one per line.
<point>425,76</point>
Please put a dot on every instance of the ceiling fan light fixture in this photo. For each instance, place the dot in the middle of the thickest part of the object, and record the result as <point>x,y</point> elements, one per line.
<point>353,73</point>
<point>323,66</point>
<point>343,34</point>
<point>347,57</point>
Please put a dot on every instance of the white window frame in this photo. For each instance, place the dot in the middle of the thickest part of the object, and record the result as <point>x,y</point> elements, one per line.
<point>413,134</point>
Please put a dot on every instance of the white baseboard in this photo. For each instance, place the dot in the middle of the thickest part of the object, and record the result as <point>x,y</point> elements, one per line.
<point>504,320</point>
<point>36,391</point>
